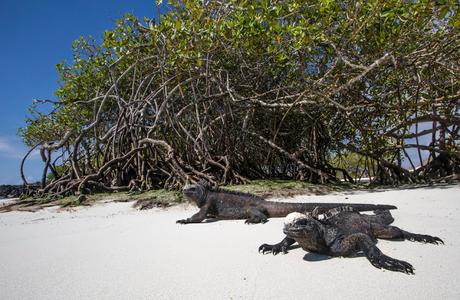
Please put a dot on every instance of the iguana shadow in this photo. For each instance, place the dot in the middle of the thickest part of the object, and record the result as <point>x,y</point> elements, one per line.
<point>312,257</point>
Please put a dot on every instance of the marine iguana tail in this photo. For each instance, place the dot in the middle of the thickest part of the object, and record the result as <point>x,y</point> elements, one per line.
<point>223,204</point>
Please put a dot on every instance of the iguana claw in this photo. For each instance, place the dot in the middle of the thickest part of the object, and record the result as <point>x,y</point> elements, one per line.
<point>423,238</point>
<point>274,249</point>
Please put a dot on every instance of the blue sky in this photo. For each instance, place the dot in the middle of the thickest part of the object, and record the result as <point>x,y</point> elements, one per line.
<point>36,35</point>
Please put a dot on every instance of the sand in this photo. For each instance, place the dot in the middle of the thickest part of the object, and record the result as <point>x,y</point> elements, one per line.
<point>111,251</point>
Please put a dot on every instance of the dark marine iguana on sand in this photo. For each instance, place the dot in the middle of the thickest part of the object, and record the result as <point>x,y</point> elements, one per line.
<point>345,232</point>
<point>217,203</point>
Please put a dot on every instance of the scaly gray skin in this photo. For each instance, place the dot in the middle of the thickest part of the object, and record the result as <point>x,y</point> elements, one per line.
<point>218,203</point>
<point>345,233</point>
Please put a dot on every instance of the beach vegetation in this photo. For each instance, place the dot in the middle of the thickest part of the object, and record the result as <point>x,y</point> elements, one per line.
<point>235,91</point>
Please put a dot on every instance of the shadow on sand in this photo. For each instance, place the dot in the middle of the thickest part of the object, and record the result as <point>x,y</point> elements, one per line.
<point>312,257</point>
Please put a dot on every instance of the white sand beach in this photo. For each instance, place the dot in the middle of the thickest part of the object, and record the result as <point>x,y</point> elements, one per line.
<point>112,251</point>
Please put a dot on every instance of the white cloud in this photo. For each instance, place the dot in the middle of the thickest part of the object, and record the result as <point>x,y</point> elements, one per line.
<point>5,146</point>
<point>12,150</point>
<point>12,147</point>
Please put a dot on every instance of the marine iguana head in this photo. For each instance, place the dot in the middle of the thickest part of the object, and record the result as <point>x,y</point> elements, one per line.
<point>195,192</point>
<point>297,225</point>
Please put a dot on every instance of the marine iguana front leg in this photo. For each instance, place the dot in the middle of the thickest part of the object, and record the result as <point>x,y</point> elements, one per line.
<point>395,233</point>
<point>350,244</point>
<point>277,248</point>
<point>196,218</point>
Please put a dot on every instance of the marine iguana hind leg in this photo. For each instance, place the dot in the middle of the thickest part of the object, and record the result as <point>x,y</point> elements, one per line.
<point>255,216</point>
<point>360,241</point>
<point>382,216</point>
<point>380,260</point>
<point>277,248</point>
<point>395,233</point>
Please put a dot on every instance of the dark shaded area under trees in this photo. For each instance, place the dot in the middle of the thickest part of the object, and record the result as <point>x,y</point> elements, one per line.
<point>230,91</point>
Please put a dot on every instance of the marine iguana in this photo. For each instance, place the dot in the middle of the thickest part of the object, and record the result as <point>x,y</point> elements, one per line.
<point>345,232</point>
<point>218,203</point>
